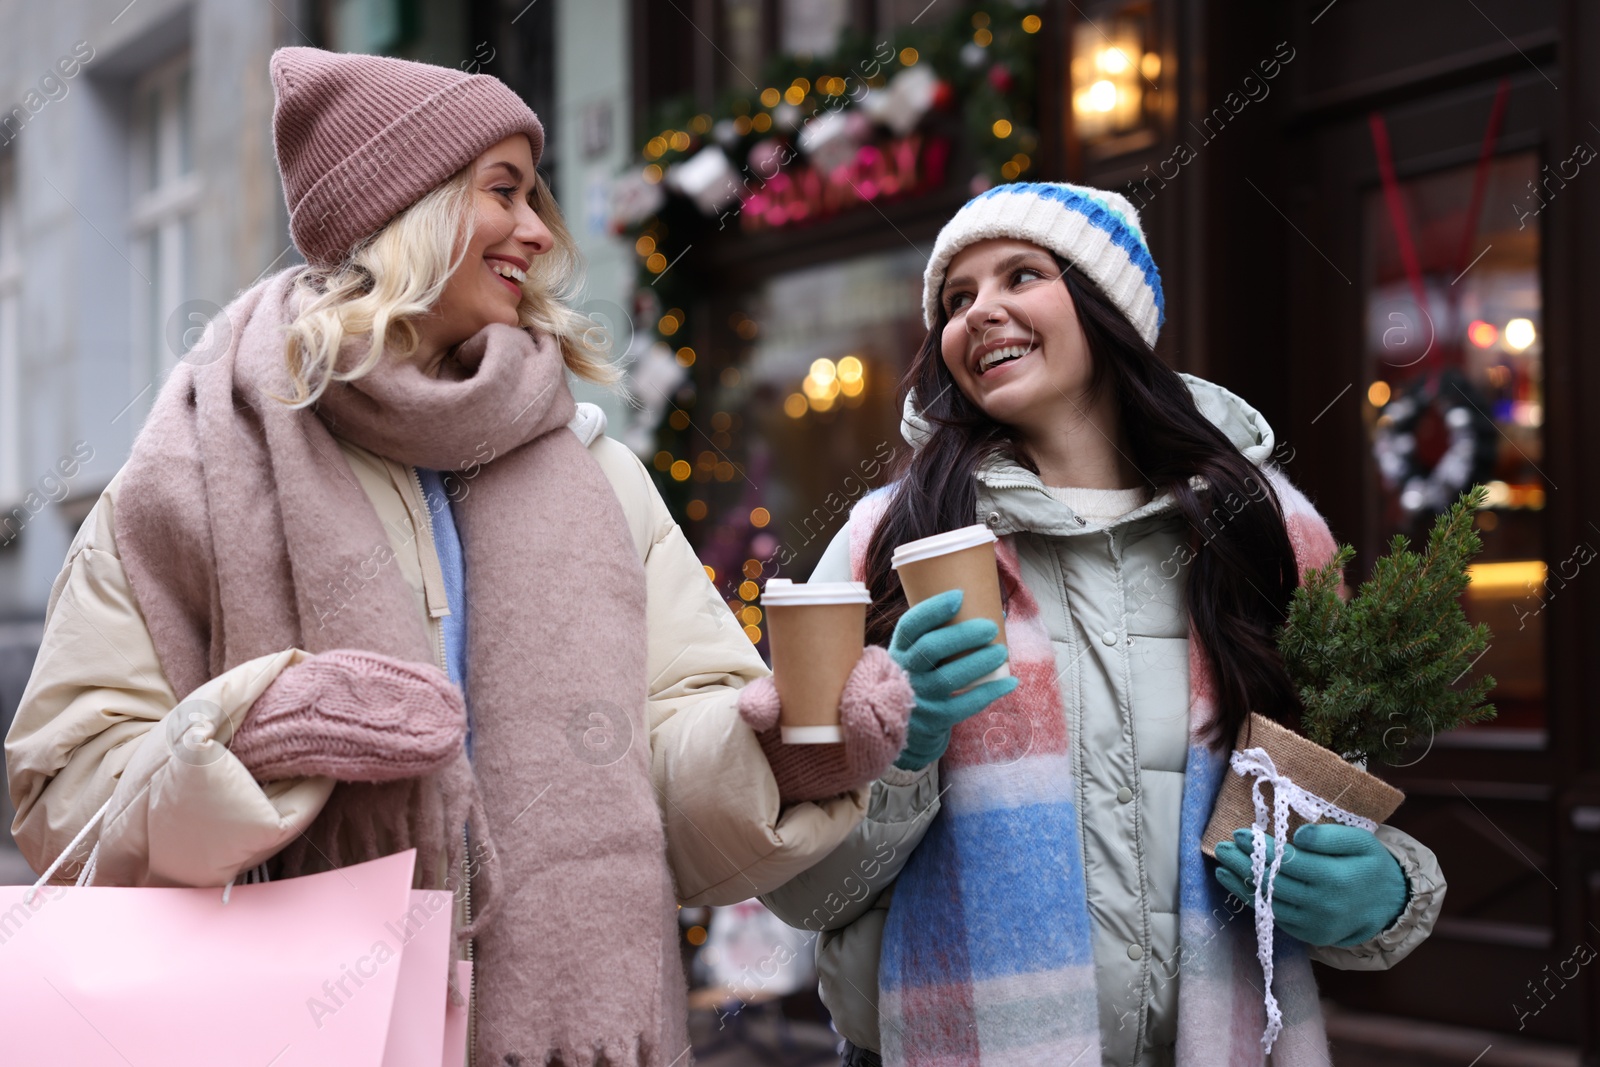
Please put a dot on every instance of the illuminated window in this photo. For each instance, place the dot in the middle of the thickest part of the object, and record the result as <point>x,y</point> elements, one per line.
<point>1455,390</point>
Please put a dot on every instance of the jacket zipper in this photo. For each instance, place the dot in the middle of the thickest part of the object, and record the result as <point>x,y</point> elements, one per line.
<point>466,859</point>
<point>1012,483</point>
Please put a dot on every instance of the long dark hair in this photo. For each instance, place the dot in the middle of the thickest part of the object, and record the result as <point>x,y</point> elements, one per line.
<point>1242,573</point>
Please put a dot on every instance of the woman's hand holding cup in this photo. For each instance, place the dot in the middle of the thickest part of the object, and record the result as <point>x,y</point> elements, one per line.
<point>941,658</point>
<point>873,711</point>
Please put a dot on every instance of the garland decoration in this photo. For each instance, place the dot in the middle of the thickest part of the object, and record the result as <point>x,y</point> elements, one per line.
<point>946,100</point>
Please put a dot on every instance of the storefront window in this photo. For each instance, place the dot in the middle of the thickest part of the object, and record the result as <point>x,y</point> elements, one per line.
<point>742,41</point>
<point>1455,395</point>
<point>810,408</point>
<point>811,27</point>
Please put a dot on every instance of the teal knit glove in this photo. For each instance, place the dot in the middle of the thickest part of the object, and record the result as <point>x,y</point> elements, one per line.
<point>1337,885</point>
<point>921,641</point>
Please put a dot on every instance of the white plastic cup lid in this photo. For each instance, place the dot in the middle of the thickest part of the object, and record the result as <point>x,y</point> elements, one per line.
<point>781,592</point>
<point>942,544</point>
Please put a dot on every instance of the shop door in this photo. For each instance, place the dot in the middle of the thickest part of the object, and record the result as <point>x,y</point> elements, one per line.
<point>1481,319</point>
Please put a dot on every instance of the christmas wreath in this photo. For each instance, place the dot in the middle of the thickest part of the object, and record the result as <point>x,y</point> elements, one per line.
<point>1432,440</point>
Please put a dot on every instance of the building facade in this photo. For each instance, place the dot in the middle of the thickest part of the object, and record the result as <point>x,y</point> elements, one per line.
<point>1375,223</point>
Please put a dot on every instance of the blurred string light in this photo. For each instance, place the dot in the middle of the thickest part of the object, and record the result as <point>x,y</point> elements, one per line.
<point>852,375</point>
<point>1014,166</point>
<point>1520,334</point>
<point>826,382</point>
<point>1378,394</point>
<point>1483,334</point>
<point>821,386</point>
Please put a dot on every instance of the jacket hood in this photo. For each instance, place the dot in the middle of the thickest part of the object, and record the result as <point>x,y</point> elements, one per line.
<point>1227,411</point>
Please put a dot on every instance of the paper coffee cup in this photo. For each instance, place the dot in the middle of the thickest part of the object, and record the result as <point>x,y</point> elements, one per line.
<point>960,559</point>
<point>817,631</point>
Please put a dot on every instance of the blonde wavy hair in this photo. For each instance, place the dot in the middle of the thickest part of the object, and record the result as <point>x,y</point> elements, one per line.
<point>399,273</point>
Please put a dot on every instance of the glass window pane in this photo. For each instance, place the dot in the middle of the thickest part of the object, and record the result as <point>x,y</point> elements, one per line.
<point>10,400</point>
<point>742,22</point>
<point>146,123</point>
<point>1455,394</point>
<point>827,348</point>
<point>184,122</point>
<point>153,265</point>
<point>8,208</point>
<point>811,27</point>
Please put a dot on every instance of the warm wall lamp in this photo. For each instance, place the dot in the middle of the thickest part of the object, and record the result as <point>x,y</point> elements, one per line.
<point>1111,72</point>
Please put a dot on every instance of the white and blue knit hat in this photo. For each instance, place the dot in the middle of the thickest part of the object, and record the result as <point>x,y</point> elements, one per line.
<point>1094,230</point>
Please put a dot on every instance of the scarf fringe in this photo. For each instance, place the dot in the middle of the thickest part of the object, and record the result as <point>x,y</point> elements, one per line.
<point>368,820</point>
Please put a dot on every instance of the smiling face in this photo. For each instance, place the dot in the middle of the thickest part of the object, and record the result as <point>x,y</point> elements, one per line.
<point>1013,342</point>
<point>507,234</point>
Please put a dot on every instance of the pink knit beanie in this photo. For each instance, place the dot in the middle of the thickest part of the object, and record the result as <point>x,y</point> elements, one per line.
<point>361,138</point>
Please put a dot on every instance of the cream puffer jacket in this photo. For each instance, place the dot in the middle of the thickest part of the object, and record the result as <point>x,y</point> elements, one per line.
<point>98,718</point>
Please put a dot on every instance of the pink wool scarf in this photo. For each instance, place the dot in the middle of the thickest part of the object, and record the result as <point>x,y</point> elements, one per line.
<point>237,519</point>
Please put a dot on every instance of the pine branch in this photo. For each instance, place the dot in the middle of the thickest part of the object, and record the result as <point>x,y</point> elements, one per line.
<point>1380,670</point>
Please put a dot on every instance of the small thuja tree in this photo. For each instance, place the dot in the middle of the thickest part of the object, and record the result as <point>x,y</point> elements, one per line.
<point>1379,670</point>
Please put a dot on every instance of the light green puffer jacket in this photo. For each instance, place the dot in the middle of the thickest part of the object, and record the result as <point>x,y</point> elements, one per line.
<point>1127,698</point>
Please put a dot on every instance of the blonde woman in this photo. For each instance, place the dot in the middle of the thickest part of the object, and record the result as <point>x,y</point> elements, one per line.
<point>372,580</point>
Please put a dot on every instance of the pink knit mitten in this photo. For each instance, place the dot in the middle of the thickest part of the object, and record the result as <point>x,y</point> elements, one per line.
<point>873,712</point>
<point>353,715</point>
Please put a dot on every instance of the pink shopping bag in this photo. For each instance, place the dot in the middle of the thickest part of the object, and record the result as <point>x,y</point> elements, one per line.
<point>345,967</point>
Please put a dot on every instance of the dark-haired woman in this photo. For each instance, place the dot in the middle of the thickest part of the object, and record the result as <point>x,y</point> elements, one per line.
<point>1029,885</point>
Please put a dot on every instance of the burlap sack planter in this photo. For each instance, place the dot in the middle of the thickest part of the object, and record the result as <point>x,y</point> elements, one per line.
<point>1310,766</point>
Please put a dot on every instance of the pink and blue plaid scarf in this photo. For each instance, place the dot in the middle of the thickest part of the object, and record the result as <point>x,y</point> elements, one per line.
<point>988,951</point>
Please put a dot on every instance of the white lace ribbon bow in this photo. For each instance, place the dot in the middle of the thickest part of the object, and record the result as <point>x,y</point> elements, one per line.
<point>1312,808</point>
